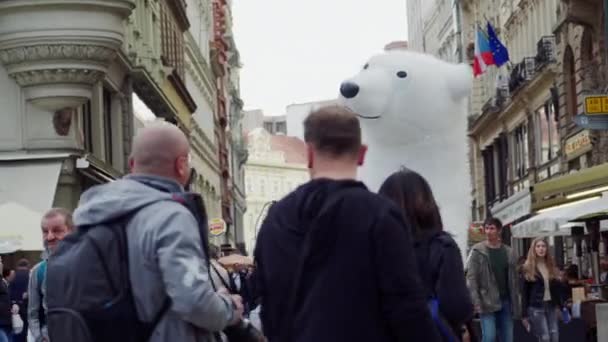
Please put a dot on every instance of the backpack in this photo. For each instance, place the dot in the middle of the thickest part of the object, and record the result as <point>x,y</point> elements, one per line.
<point>89,294</point>
<point>429,253</point>
<point>40,273</point>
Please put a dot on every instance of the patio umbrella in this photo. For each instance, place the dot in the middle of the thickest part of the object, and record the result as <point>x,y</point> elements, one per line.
<point>595,216</point>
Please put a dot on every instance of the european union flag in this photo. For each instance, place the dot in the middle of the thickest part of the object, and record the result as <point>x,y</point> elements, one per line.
<point>499,51</point>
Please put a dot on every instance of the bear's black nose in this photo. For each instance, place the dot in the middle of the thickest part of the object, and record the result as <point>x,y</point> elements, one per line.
<point>349,90</point>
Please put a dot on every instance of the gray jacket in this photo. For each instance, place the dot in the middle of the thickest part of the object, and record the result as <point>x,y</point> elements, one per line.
<point>34,291</point>
<point>165,255</point>
<point>482,282</point>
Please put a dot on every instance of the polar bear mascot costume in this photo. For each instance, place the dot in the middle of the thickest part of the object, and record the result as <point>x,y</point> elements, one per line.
<point>413,111</point>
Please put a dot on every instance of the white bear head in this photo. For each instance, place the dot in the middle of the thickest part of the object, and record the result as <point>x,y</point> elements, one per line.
<point>407,96</point>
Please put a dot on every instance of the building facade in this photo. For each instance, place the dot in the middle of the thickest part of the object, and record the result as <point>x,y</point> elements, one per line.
<point>200,82</point>
<point>67,116</point>
<point>527,154</point>
<point>275,167</point>
<point>441,35</point>
<point>296,114</point>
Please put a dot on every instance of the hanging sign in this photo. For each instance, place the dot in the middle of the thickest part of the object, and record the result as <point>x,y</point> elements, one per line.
<point>217,227</point>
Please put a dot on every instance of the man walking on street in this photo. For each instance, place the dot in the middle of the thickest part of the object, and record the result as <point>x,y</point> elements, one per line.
<point>334,261</point>
<point>165,244</point>
<point>493,282</point>
<point>56,225</point>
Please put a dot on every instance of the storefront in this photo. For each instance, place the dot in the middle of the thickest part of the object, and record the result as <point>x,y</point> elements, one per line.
<point>31,185</point>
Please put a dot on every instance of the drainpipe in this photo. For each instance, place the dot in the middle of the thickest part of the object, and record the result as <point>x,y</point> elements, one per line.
<point>606,33</point>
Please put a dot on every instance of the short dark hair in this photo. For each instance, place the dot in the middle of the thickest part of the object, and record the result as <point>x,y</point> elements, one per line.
<point>493,221</point>
<point>66,214</point>
<point>23,263</point>
<point>413,195</point>
<point>333,130</point>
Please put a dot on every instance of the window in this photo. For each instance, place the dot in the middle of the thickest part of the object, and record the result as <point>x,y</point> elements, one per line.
<point>495,159</point>
<point>269,127</point>
<point>107,124</point>
<point>519,162</point>
<point>172,40</point>
<point>548,143</point>
<point>281,127</point>
<point>87,127</point>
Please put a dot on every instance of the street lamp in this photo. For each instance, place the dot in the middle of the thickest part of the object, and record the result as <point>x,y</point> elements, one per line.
<point>265,208</point>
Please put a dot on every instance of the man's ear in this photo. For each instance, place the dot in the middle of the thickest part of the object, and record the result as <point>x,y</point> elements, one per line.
<point>310,155</point>
<point>131,164</point>
<point>362,154</point>
<point>460,81</point>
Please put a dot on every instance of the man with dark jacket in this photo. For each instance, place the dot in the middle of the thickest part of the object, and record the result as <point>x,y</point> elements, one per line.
<point>6,323</point>
<point>334,261</point>
<point>494,284</point>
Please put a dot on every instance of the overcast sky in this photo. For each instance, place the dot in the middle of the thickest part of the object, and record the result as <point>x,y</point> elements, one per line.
<point>296,51</point>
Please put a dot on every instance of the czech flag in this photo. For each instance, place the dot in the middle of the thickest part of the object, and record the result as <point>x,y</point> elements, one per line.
<point>483,53</point>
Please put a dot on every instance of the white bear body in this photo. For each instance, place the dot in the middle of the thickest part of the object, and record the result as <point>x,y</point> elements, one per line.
<point>413,113</point>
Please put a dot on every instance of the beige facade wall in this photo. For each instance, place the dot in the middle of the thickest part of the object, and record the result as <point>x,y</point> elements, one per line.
<point>268,177</point>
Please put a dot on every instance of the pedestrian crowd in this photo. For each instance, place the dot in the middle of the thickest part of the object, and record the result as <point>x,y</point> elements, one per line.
<point>333,261</point>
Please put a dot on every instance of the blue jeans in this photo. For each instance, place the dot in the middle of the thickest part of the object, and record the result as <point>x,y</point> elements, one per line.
<point>498,324</point>
<point>543,322</point>
<point>6,335</point>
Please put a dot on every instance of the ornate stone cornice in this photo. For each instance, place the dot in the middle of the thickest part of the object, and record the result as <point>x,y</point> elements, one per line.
<point>37,64</point>
<point>46,52</point>
<point>59,61</point>
<point>51,76</point>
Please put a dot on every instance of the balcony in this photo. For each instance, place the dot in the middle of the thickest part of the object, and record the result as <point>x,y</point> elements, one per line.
<point>57,61</point>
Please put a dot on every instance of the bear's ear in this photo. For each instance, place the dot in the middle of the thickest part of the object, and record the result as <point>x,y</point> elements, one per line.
<point>460,81</point>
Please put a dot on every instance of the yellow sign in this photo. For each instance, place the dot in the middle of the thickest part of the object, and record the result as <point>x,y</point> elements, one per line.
<point>217,227</point>
<point>596,105</point>
<point>578,144</point>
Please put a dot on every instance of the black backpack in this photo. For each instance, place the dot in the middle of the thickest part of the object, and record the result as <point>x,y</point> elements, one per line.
<point>89,294</point>
<point>429,254</point>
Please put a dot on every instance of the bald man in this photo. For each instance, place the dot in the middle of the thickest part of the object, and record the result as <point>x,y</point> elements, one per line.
<point>165,245</point>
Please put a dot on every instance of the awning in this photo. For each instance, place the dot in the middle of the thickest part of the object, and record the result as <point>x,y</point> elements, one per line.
<point>27,191</point>
<point>549,222</point>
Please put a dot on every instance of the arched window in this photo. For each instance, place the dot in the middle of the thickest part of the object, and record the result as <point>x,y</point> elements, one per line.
<point>587,64</point>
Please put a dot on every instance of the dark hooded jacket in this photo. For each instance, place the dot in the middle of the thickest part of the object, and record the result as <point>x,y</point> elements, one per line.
<point>5,305</point>
<point>361,281</point>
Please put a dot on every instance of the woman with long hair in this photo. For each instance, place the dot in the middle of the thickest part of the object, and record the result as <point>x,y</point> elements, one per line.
<point>541,292</point>
<point>438,256</point>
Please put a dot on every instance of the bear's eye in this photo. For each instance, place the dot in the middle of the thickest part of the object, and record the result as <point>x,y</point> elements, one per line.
<point>401,74</point>
<point>366,66</point>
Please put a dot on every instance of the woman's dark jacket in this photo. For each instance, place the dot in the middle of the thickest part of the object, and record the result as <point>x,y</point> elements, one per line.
<point>533,293</point>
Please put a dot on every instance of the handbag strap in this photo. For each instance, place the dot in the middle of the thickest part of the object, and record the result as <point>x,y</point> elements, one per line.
<point>305,250</point>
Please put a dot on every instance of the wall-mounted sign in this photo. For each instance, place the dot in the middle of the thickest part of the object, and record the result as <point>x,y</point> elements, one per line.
<point>596,105</point>
<point>578,144</point>
<point>513,208</point>
<point>595,115</point>
<point>217,227</point>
